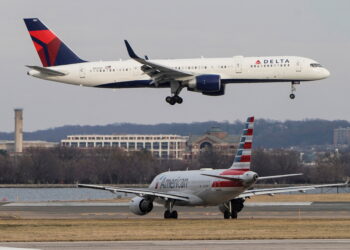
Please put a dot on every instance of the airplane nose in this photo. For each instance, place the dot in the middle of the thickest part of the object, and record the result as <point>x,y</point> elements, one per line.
<point>325,73</point>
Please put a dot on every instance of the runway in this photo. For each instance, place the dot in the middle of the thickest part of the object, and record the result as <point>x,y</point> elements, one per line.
<point>72,210</point>
<point>191,245</point>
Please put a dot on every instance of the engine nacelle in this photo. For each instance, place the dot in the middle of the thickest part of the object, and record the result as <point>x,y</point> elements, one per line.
<point>140,206</point>
<point>207,84</point>
<point>218,93</point>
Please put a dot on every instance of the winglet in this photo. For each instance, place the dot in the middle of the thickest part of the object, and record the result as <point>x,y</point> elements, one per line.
<point>130,50</point>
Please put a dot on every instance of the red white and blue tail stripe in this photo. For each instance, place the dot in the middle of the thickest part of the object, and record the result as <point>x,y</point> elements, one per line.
<point>244,152</point>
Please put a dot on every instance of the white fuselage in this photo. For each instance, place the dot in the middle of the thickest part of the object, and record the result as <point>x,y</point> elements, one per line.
<point>238,69</point>
<point>202,190</point>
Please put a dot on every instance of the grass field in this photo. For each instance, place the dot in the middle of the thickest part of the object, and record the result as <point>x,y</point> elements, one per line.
<point>344,197</point>
<point>159,229</point>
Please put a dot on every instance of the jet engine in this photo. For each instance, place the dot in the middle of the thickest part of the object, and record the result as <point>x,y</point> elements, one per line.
<point>140,206</point>
<point>207,85</point>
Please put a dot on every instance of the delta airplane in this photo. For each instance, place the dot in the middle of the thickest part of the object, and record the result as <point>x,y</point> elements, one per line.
<point>208,76</point>
<point>226,188</point>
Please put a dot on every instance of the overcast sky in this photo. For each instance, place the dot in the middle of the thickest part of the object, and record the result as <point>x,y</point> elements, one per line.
<point>175,29</point>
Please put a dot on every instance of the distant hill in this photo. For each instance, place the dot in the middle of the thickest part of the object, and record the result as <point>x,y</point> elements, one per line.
<point>269,133</point>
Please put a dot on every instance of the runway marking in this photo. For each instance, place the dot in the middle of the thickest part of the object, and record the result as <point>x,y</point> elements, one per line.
<point>16,248</point>
<point>126,204</point>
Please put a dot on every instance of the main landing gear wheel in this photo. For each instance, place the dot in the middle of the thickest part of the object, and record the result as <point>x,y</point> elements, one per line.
<point>178,99</point>
<point>174,214</point>
<point>228,215</point>
<point>167,214</point>
<point>173,99</point>
<point>170,100</point>
<point>234,214</point>
<point>170,215</point>
<point>233,207</point>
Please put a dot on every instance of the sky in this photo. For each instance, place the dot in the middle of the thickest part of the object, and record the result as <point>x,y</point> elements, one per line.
<point>163,29</point>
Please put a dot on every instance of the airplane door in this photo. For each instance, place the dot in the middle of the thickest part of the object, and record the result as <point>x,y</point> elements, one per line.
<point>82,73</point>
<point>238,60</point>
<point>298,66</point>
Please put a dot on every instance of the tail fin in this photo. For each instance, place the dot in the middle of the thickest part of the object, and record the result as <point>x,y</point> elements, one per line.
<point>51,50</point>
<point>244,152</point>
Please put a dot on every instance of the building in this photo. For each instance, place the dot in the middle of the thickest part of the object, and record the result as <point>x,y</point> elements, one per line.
<point>341,137</point>
<point>214,139</point>
<point>9,146</point>
<point>18,131</point>
<point>18,145</point>
<point>161,146</point>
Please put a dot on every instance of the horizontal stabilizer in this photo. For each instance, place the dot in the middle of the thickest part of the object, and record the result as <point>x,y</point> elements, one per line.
<point>225,177</point>
<point>47,71</point>
<point>278,176</point>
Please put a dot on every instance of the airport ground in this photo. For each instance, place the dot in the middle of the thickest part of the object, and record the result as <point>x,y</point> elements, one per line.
<point>299,244</point>
<point>288,219</point>
<point>158,229</point>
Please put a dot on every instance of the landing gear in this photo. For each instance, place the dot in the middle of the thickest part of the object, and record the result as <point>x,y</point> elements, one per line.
<point>169,212</point>
<point>170,100</point>
<point>233,207</point>
<point>178,99</point>
<point>293,89</point>
<point>175,91</point>
<point>170,215</point>
<point>174,99</point>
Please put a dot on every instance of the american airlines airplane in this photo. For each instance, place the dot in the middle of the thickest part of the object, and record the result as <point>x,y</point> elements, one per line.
<point>208,76</point>
<point>225,188</point>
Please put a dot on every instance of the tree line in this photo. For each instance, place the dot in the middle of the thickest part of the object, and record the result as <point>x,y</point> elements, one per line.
<point>63,165</point>
<point>269,133</point>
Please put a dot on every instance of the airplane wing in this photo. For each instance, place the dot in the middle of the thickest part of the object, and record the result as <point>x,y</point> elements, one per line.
<point>47,71</point>
<point>139,192</point>
<point>272,191</point>
<point>159,73</point>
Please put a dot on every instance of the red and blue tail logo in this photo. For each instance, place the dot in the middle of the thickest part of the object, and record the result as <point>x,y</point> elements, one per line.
<point>51,50</point>
<point>244,152</point>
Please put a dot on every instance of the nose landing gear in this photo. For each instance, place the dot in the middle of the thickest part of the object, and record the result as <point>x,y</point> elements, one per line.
<point>293,89</point>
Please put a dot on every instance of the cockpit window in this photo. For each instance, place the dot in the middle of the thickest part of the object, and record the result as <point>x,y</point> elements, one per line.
<point>315,65</point>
